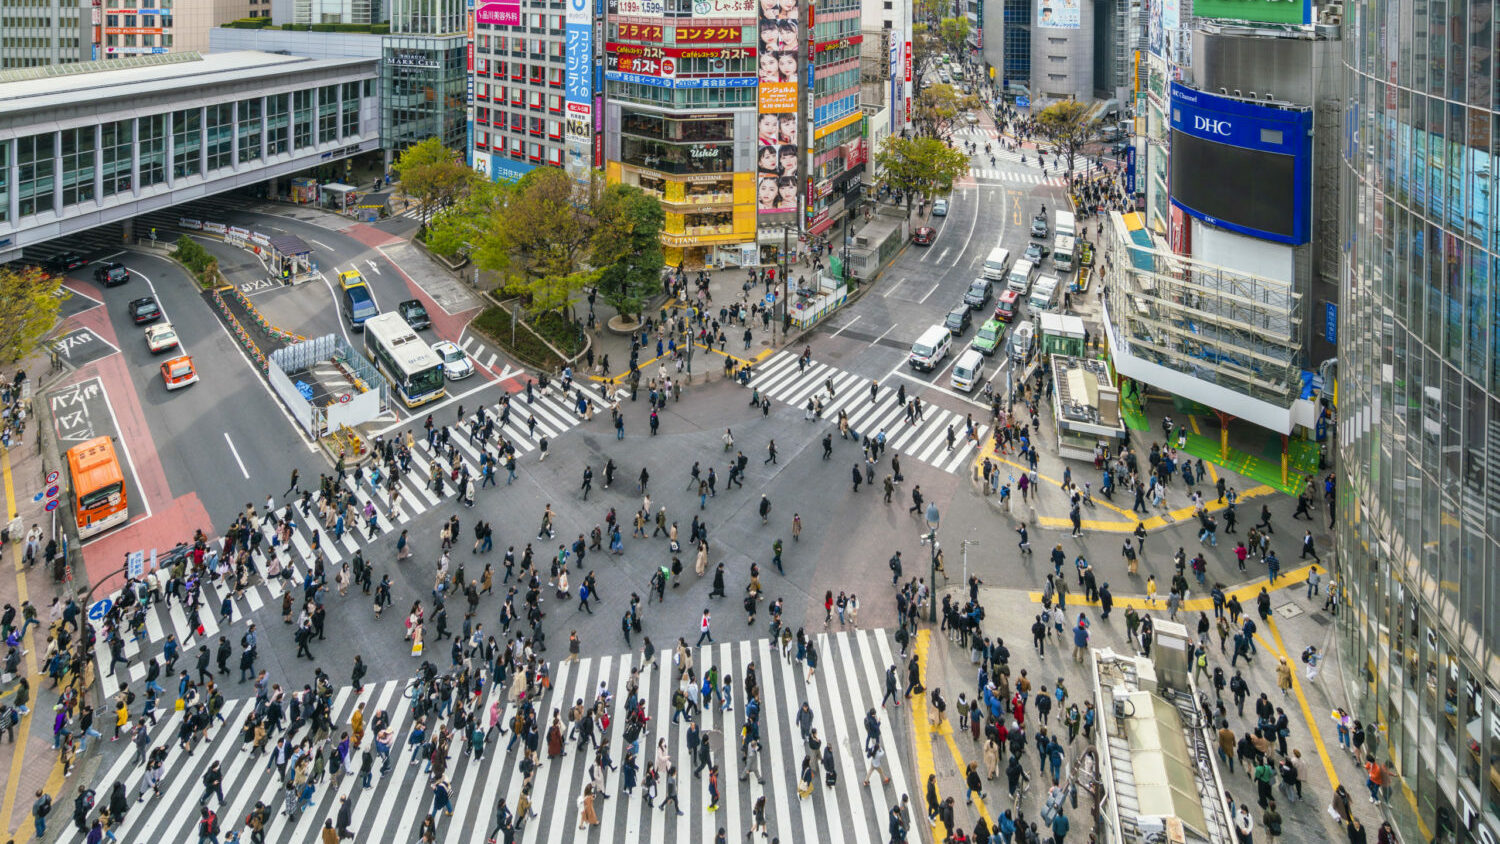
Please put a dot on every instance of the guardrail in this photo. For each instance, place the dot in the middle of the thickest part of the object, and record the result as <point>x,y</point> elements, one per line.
<point>238,330</point>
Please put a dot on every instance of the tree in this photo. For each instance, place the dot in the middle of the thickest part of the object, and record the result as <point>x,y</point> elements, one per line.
<point>29,301</point>
<point>539,239</point>
<point>939,105</point>
<point>627,247</point>
<point>920,165</point>
<point>434,174</point>
<point>953,34</point>
<point>1066,126</point>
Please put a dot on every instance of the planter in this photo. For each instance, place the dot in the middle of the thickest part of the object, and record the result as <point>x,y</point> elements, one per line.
<point>621,324</point>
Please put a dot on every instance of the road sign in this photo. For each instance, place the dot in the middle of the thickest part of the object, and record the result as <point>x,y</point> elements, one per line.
<point>100,609</point>
<point>1023,102</point>
<point>52,491</point>
<point>51,505</point>
<point>135,564</point>
<point>36,498</point>
<point>344,398</point>
<point>52,477</point>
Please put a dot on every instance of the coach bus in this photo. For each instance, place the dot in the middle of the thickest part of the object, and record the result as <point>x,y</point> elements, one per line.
<point>413,368</point>
<point>98,487</point>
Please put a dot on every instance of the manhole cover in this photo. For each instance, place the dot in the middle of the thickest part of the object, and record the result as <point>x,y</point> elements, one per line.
<point>1289,610</point>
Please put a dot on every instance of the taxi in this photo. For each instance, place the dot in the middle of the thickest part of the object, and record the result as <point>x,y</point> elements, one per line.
<point>178,372</point>
<point>160,338</point>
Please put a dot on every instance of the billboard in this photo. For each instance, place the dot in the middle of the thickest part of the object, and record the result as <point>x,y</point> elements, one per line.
<point>776,156</point>
<point>1057,14</point>
<point>1261,11</point>
<point>578,83</point>
<point>499,14</point>
<point>723,8</point>
<point>1242,166</point>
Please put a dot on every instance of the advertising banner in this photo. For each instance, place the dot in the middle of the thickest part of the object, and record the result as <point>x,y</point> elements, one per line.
<point>647,8</point>
<point>777,172</point>
<point>723,8</point>
<point>499,14</point>
<point>1058,14</point>
<point>578,84</point>
<point>653,52</point>
<point>705,34</point>
<point>1260,11</point>
<point>640,31</point>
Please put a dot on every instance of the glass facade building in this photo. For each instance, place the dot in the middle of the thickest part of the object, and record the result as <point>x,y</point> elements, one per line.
<point>423,82</point>
<point>1419,407</point>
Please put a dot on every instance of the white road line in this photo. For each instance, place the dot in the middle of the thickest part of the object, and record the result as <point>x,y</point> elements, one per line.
<point>846,325</point>
<point>941,257</point>
<point>235,452</point>
<point>321,243</point>
<point>899,282</point>
<point>883,333</point>
<point>923,300</point>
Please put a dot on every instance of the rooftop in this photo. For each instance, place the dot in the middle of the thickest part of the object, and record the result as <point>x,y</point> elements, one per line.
<point>34,89</point>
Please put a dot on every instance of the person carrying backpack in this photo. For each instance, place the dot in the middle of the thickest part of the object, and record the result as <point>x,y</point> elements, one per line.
<point>208,826</point>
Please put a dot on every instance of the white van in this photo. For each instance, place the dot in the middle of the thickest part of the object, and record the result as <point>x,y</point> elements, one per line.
<point>930,348</point>
<point>997,263</point>
<point>1043,293</point>
<point>968,370</point>
<point>1019,279</point>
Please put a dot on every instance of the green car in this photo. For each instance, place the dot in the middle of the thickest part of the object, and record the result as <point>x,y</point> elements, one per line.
<point>989,337</point>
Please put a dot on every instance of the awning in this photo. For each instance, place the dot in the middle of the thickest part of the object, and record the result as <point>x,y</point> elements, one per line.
<point>289,244</point>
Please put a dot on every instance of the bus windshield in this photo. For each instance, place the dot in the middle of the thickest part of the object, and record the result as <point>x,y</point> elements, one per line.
<point>421,383</point>
<point>99,497</point>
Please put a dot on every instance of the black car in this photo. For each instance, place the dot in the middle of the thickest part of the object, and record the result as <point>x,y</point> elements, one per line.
<point>958,319</point>
<point>112,274</point>
<point>415,315</point>
<point>978,293</point>
<point>144,310</point>
<point>66,261</point>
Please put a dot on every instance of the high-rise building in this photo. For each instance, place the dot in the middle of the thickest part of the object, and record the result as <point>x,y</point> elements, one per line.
<point>44,32</point>
<point>424,73</point>
<point>1418,436</point>
<point>886,70</point>
<point>680,118</point>
<point>519,81</point>
<point>834,131</point>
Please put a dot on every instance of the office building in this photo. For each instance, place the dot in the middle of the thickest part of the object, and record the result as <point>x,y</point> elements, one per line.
<point>424,75</point>
<point>885,70</point>
<point>339,11</point>
<point>35,33</point>
<point>1418,436</point>
<point>834,132</point>
<point>680,119</point>
<point>519,72</point>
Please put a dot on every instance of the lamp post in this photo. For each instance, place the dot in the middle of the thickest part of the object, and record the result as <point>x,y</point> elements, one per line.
<point>933,517</point>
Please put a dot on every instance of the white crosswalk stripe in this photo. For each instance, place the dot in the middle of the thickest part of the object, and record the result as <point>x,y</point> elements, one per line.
<point>847,684</point>
<point>927,440</point>
<point>1018,178</point>
<point>414,496</point>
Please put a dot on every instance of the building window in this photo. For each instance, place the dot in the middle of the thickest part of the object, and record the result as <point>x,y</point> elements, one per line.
<point>78,165</point>
<point>152,144</point>
<point>302,132</point>
<point>116,141</point>
<point>277,124</point>
<point>218,124</point>
<point>187,142</point>
<point>349,123</point>
<point>250,130</point>
<point>328,113</point>
<point>4,181</point>
<point>35,173</point>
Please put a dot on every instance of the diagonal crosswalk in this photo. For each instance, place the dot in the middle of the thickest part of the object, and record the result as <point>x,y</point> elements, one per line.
<point>927,440</point>
<point>414,496</point>
<point>847,684</point>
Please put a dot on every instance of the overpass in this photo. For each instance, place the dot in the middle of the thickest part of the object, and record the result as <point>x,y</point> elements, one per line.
<point>90,144</point>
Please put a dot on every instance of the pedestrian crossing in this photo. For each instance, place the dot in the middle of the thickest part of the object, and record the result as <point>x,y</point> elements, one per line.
<point>849,682</point>
<point>927,440</point>
<point>478,351</point>
<point>1016,178</point>
<point>414,496</point>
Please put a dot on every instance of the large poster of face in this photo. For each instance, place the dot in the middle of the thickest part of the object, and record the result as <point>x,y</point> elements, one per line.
<point>779,72</point>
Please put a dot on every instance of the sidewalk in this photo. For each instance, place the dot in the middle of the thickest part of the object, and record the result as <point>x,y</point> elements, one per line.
<point>32,763</point>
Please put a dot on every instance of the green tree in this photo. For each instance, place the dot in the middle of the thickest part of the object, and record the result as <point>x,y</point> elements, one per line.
<point>938,107</point>
<point>626,247</point>
<point>465,227</point>
<point>1066,127</point>
<point>953,34</point>
<point>920,165</point>
<point>29,301</point>
<point>434,174</point>
<point>540,237</point>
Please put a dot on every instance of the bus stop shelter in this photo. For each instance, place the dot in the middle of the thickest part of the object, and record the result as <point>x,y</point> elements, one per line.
<point>290,258</point>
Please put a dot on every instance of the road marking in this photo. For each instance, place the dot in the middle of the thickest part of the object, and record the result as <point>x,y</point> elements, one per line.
<point>275,399</point>
<point>899,282</point>
<point>882,335</point>
<point>846,325</point>
<point>373,268</point>
<point>110,257</point>
<point>335,299</point>
<point>941,257</point>
<point>235,452</point>
<point>320,243</point>
<point>974,221</point>
<point>923,300</point>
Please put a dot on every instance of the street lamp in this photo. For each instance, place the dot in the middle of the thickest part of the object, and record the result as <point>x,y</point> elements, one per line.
<point>933,517</point>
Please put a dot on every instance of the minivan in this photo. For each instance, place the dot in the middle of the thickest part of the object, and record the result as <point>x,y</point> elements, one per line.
<point>968,370</point>
<point>1009,301</point>
<point>930,348</point>
<point>359,306</point>
<point>997,263</point>
<point>1043,293</point>
<point>1019,279</point>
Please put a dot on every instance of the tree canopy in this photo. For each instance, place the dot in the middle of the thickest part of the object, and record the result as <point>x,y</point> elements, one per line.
<point>920,165</point>
<point>435,175</point>
<point>29,302</point>
<point>627,247</point>
<point>1066,127</point>
<point>938,107</point>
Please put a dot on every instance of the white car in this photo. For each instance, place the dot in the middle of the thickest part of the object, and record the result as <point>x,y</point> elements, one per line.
<point>161,337</point>
<point>456,363</point>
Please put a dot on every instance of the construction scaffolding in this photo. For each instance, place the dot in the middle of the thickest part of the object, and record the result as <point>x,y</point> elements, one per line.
<point>1215,325</point>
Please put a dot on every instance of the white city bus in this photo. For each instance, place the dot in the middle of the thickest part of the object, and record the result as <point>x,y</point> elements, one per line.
<point>413,368</point>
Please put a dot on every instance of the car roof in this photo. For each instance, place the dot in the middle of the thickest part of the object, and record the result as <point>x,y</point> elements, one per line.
<point>444,345</point>
<point>960,307</point>
<point>144,300</point>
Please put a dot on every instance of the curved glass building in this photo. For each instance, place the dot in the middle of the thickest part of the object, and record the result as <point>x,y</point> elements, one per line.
<point>1419,406</point>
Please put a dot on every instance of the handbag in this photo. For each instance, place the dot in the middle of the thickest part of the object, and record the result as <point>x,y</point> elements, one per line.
<point>179,705</point>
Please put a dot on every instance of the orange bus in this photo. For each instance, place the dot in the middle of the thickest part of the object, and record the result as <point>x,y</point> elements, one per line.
<point>98,486</point>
